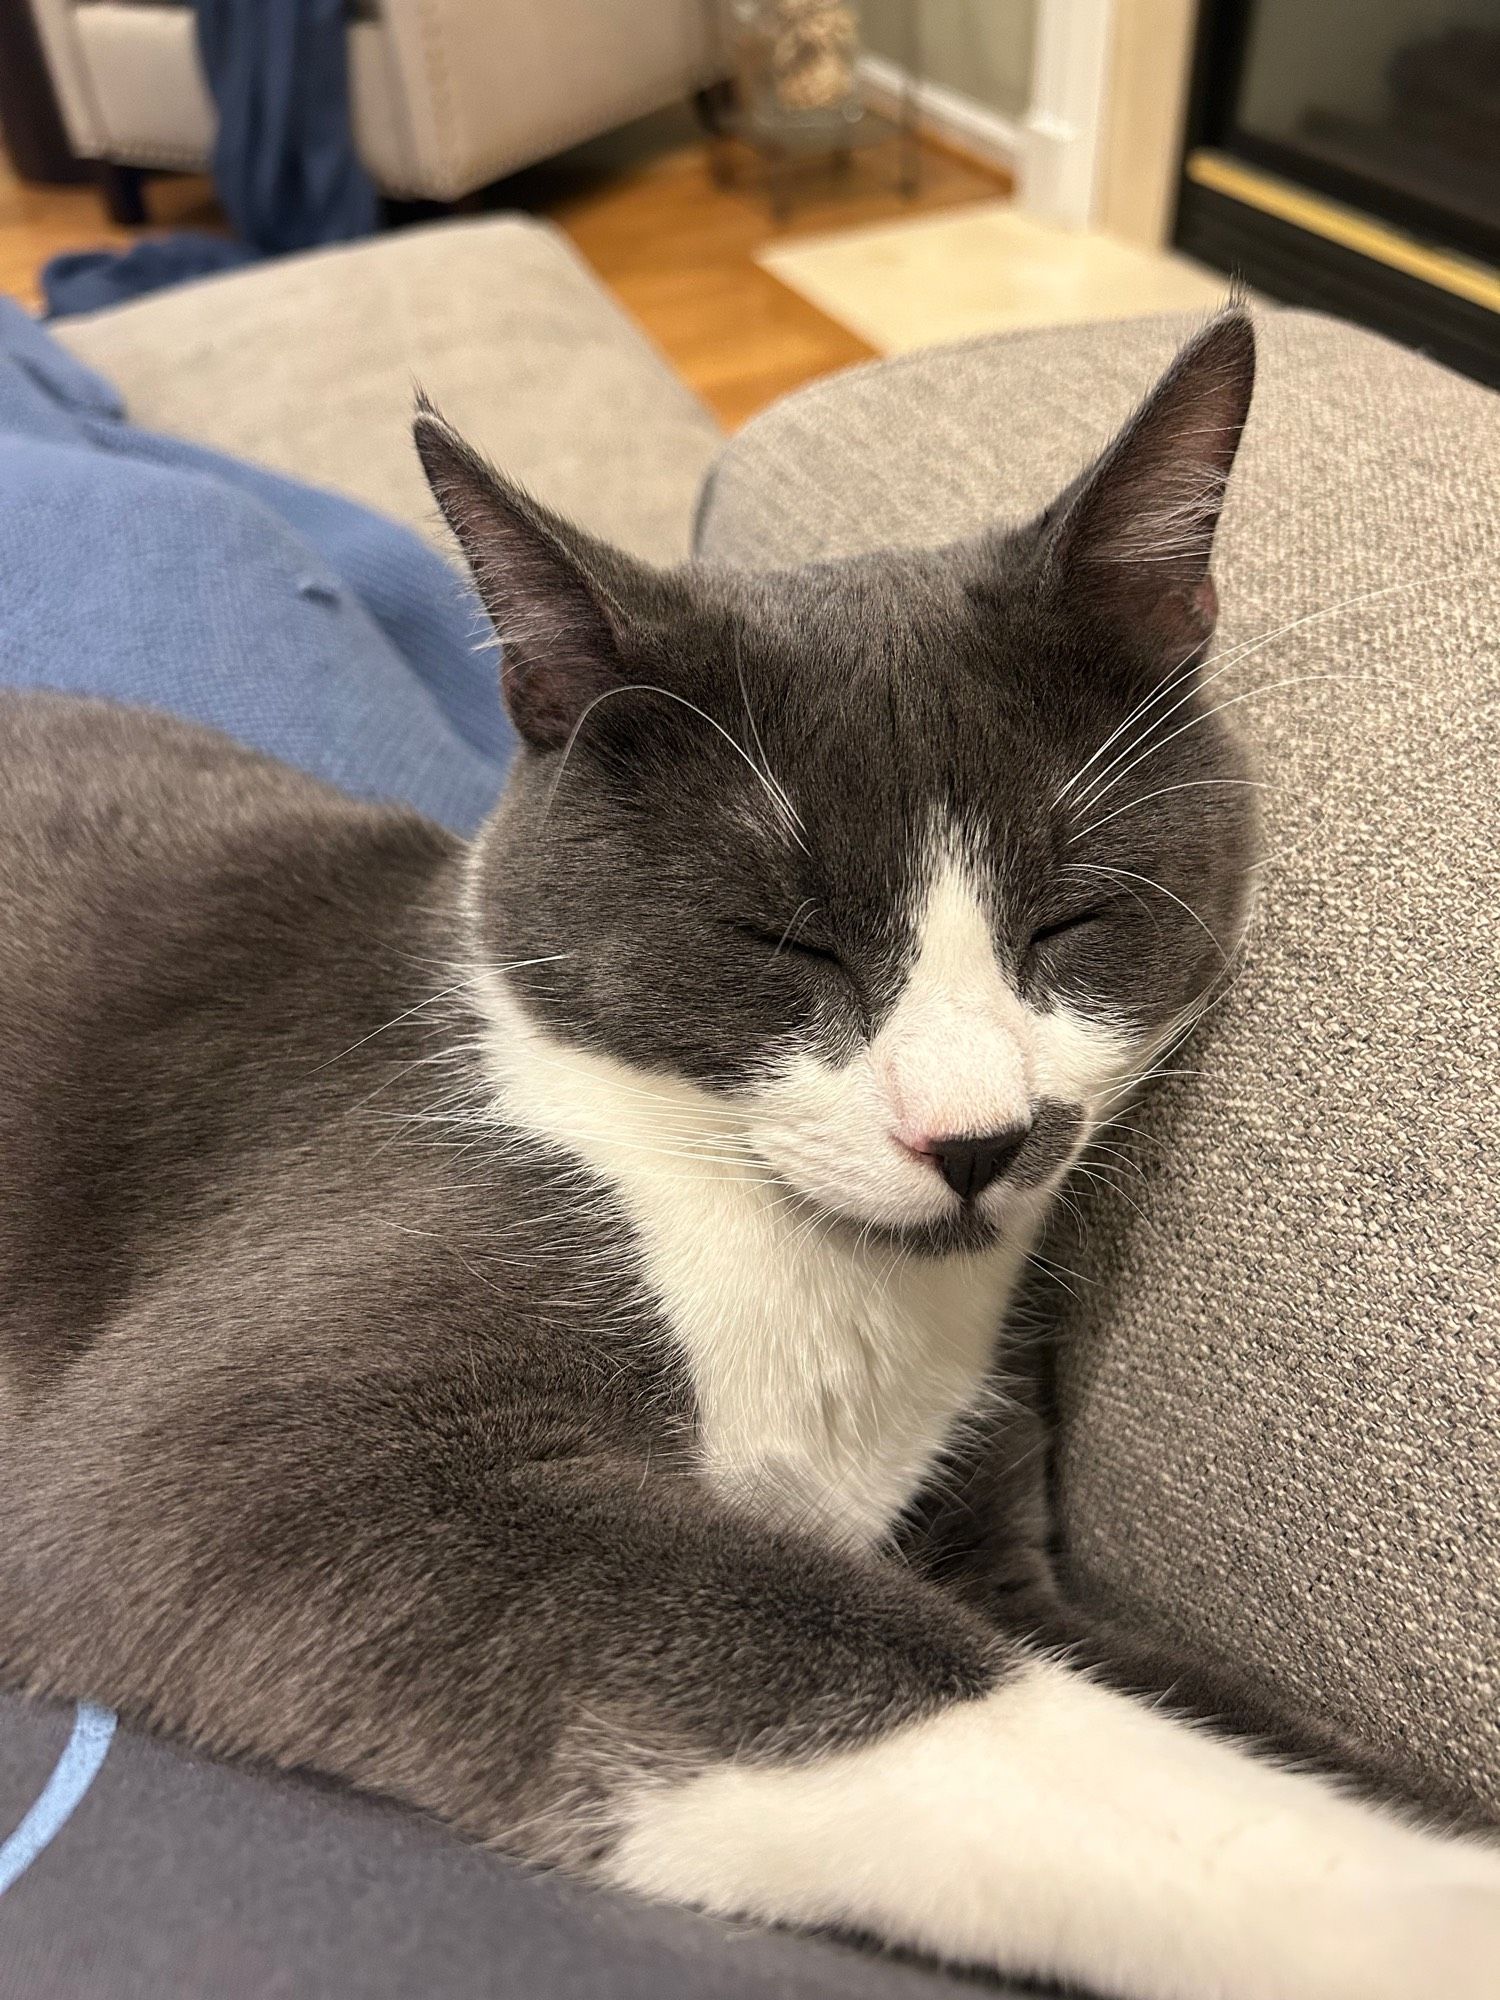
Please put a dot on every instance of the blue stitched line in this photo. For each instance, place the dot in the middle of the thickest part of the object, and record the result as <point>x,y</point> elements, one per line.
<point>72,1774</point>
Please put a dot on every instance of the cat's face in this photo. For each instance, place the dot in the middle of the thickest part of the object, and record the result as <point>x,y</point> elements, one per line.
<point>908,863</point>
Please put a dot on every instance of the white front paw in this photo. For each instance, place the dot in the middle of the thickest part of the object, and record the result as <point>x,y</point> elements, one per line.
<point>1430,1932</point>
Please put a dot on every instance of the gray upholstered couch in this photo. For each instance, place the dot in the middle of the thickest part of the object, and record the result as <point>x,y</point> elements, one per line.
<point>1280,1435</point>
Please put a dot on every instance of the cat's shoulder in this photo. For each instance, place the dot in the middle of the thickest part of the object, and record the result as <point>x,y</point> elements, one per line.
<point>98,783</point>
<point>50,741</point>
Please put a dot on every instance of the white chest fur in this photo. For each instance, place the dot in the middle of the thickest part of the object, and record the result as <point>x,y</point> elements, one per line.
<point>829,1373</point>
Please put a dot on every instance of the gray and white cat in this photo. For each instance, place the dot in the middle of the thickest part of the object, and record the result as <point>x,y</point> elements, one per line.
<point>489,1323</point>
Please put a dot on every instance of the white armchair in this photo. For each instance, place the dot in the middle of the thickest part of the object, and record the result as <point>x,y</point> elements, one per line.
<point>447,94</point>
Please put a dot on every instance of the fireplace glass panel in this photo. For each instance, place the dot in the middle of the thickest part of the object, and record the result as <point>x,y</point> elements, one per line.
<point>1392,104</point>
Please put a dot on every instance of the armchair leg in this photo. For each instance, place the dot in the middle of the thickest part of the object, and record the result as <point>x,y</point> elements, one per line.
<point>123,192</point>
<point>715,104</point>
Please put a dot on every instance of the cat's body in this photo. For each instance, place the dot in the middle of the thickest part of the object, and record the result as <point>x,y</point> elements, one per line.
<point>485,1323</point>
<point>256,1099</point>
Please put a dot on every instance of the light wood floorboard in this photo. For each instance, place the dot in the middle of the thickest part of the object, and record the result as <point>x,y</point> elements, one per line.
<point>676,249</point>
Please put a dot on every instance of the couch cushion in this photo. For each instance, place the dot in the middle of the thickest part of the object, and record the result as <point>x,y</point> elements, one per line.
<point>1281,1431</point>
<point>307,365</point>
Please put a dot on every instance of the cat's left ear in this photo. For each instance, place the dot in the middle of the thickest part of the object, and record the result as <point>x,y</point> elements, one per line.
<point>561,602</point>
<point>1132,538</point>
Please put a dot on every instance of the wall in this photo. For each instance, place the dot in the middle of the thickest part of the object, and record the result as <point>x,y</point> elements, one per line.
<point>979,48</point>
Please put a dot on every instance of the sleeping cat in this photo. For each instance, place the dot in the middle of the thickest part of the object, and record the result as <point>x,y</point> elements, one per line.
<point>489,1323</point>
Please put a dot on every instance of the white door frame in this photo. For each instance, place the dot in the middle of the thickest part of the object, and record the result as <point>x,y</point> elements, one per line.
<point>1063,129</point>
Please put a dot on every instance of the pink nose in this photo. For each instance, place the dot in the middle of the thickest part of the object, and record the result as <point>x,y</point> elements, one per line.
<point>969,1163</point>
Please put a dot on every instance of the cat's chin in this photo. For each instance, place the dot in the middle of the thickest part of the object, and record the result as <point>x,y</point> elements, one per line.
<point>963,1231</point>
<point>966,1233</point>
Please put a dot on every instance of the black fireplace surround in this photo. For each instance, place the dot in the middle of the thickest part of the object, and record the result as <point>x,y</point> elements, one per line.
<point>1308,119</point>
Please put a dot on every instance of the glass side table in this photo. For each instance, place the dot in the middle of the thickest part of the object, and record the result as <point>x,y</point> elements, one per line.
<point>793,90</point>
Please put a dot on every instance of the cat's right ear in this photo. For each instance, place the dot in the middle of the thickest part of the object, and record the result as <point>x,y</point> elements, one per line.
<point>1133,535</point>
<point>540,581</point>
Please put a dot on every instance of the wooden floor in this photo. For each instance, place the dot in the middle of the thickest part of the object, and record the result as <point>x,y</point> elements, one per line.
<point>679,254</point>
<point>676,249</point>
<point>41,222</point>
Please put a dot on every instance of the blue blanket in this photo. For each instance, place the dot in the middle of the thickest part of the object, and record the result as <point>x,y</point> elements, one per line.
<point>153,571</point>
<point>284,161</point>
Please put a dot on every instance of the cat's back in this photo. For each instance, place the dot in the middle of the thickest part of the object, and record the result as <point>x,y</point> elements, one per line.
<point>121,829</point>
<point>91,790</point>
<point>187,930</point>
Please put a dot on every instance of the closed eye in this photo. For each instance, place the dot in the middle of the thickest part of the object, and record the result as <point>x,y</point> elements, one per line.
<point>1061,927</point>
<point>787,944</point>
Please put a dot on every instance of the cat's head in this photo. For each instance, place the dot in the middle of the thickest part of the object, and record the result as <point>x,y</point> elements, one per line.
<point>897,867</point>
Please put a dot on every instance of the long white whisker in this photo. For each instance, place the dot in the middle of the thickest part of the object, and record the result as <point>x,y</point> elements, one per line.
<point>785,812</point>
<point>1095,1175</point>
<point>793,817</point>
<point>1189,785</point>
<point>1233,701</point>
<point>803,910</point>
<point>1095,868</point>
<point>1180,673</point>
<point>429,1001</point>
<point>1242,651</point>
<point>1146,1076</point>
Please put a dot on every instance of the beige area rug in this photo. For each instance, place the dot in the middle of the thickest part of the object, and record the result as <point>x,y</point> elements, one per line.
<point>984,269</point>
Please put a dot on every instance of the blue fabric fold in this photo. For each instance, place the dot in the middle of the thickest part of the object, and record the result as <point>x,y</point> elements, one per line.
<point>284,161</point>
<point>81,281</point>
<point>150,570</point>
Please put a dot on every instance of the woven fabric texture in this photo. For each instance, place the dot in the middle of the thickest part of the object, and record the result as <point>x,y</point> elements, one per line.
<point>1281,1418</point>
<point>308,366</point>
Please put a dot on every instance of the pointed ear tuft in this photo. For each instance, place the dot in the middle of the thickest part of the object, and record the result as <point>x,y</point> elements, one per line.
<point>557,627</point>
<point>1133,536</point>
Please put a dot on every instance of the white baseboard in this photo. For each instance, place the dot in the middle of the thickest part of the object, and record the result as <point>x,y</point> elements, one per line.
<point>975,127</point>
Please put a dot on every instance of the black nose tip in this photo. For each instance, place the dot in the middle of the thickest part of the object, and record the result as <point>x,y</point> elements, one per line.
<point>969,1165</point>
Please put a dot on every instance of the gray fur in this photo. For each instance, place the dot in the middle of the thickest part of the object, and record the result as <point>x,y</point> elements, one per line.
<point>339,1427</point>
